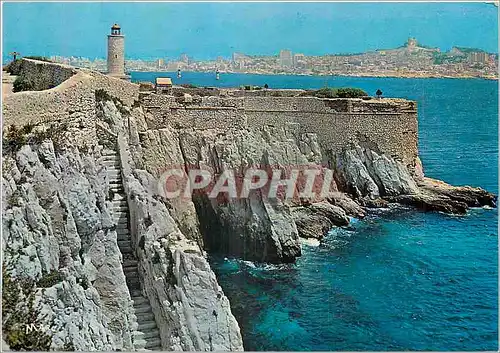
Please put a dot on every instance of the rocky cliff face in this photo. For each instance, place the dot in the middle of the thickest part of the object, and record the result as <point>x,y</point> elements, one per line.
<point>191,310</point>
<point>60,254</point>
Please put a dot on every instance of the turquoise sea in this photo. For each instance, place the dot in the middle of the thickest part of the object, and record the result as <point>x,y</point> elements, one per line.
<point>399,279</point>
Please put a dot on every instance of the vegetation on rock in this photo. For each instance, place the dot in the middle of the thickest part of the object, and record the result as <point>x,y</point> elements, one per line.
<point>14,138</point>
<point>328,92</point>
<point>22,83</point>
<point>19,315</point>
<point>50,279</point>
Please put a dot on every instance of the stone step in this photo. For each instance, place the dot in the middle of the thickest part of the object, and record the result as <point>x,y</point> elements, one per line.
<point>132,277</point>
<point>114,183</point>
<point>136,293</point>
<point>140,300</point>
<point>119,208</point>
<point>144,326</point>
<point>123,232</point>
<point>130,263</point>
<point>142,317</point>
<point>126,250</point>
<point>133,285</point>
<point>143,308</point>
<point>123,236</point>
<point>109,161</point>
<point>109,157</point>
<point>119,202</point>
<point>122,221</point>
<point>119,197</point>
<point>150,334</point>
<point>122,228</point>
<point>132,273</point>
<point>129,268</point>
<point>140,343</point>
<point>153,343</point>
<point>124,243</point>
<point>116,216</point>
<point>108,152</point>
<point>110,164</point>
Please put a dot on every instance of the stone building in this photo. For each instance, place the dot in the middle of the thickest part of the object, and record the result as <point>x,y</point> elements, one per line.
<point>163,85</point>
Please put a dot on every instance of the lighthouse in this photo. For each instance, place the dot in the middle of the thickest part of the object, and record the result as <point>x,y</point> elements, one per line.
<point>116,53</point>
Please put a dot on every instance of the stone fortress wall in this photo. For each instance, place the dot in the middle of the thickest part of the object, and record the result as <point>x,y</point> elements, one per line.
<point>71,91</point>
<point>47,74</point>
<point>386,125</point>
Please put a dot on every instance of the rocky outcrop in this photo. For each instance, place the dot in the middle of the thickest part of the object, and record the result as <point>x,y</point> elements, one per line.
<point>318,219</point>
<point>255,228</point>
<point>364,173</point>
<point>60,254</point>
<point>191,310</point>
<point>373,180</point>
<point>435,195</point>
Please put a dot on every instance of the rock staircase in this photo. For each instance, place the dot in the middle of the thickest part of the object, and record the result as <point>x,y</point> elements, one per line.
<point>147,335</point>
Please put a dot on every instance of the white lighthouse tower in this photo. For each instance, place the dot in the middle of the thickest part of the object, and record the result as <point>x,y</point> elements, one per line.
<point>116,53</point>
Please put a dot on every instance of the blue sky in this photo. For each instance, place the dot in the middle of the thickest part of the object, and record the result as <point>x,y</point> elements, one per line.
<point>208,30</point>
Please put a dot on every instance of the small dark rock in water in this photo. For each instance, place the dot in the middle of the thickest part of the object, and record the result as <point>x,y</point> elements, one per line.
<point>214,313</point>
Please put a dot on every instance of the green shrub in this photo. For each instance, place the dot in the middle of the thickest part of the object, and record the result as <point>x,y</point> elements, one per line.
<point>327,92</point>
<point>14,67</point>
<point>50,279</point>
<point>351,93</point>
<point>14,137</point>
<point>22,83</point>
<point>18,297</point>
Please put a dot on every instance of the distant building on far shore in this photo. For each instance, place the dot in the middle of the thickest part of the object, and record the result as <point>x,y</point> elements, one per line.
<point>299,60</point>
<point>478,57</point>
<point>160,63</point>
<point>286,58</point>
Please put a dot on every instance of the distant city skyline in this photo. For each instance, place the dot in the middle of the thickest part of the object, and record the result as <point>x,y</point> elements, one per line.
<point>209,30</point>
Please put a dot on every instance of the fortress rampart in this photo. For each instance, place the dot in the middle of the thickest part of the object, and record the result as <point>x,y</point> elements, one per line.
<point>70,90</point>
<point>385,125</point>
<point>45,75</point>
